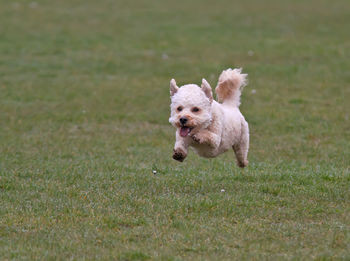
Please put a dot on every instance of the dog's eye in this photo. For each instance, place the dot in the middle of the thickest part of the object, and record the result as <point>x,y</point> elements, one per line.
<point>179,108</point>
<point>195,109</point>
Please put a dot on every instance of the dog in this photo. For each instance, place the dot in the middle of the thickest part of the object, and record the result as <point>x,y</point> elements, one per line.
<point>210,127</point>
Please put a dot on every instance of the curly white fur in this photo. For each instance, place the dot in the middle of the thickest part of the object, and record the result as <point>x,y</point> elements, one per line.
<point>211,128</point>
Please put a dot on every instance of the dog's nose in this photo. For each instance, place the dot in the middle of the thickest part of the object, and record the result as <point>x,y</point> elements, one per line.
<point>183,120</point>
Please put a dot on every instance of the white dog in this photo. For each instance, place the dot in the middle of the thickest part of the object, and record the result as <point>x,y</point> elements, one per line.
<point>211,128</point>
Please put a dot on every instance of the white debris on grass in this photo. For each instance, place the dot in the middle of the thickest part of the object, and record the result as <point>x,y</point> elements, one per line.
<point>33,5</point>
<point>165,56</point>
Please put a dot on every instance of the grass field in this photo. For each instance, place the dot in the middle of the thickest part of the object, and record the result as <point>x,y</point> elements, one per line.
<point>84,107</point>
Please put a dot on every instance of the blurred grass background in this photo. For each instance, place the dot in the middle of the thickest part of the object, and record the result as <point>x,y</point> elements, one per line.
<point>84,107</point>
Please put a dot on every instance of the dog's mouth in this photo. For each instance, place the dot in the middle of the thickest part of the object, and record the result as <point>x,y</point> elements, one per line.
<point>184,131</point>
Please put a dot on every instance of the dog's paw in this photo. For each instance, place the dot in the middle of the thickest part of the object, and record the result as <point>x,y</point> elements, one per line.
<point>197,138</point>
<point>179,155</point>
<point>202,139</point>
<point>242,164</point>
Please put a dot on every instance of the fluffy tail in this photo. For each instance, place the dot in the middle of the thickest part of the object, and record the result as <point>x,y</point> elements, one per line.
<point>230,86</point>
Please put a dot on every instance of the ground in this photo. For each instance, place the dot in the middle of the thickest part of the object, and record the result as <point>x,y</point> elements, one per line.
<point>84,101</point>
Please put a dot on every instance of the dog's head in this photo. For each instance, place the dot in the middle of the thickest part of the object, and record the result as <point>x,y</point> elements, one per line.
<point>190,106</point>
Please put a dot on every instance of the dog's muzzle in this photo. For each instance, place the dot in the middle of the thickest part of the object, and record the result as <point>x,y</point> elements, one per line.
<point>183,120</point>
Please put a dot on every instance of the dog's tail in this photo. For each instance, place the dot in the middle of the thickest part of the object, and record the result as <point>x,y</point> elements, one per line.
<point>230,85</point>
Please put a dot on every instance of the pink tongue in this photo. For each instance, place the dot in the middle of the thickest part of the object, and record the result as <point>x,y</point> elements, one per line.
<point>184,131</point>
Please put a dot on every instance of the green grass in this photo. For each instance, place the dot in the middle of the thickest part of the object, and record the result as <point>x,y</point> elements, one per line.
<point>84,107</point>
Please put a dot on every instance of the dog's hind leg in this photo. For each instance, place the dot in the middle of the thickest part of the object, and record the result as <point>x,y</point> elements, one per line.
<point>242,147</point>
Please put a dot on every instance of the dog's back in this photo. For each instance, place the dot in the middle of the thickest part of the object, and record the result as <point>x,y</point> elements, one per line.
<point>235,131</point>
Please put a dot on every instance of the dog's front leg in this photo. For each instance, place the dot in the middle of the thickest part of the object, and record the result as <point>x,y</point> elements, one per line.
<point>207,137</point>
<point>181,147</point>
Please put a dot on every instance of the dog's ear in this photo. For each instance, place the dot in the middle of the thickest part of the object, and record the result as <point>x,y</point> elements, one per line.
<point>207,90</point>
<point>173,87</point>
